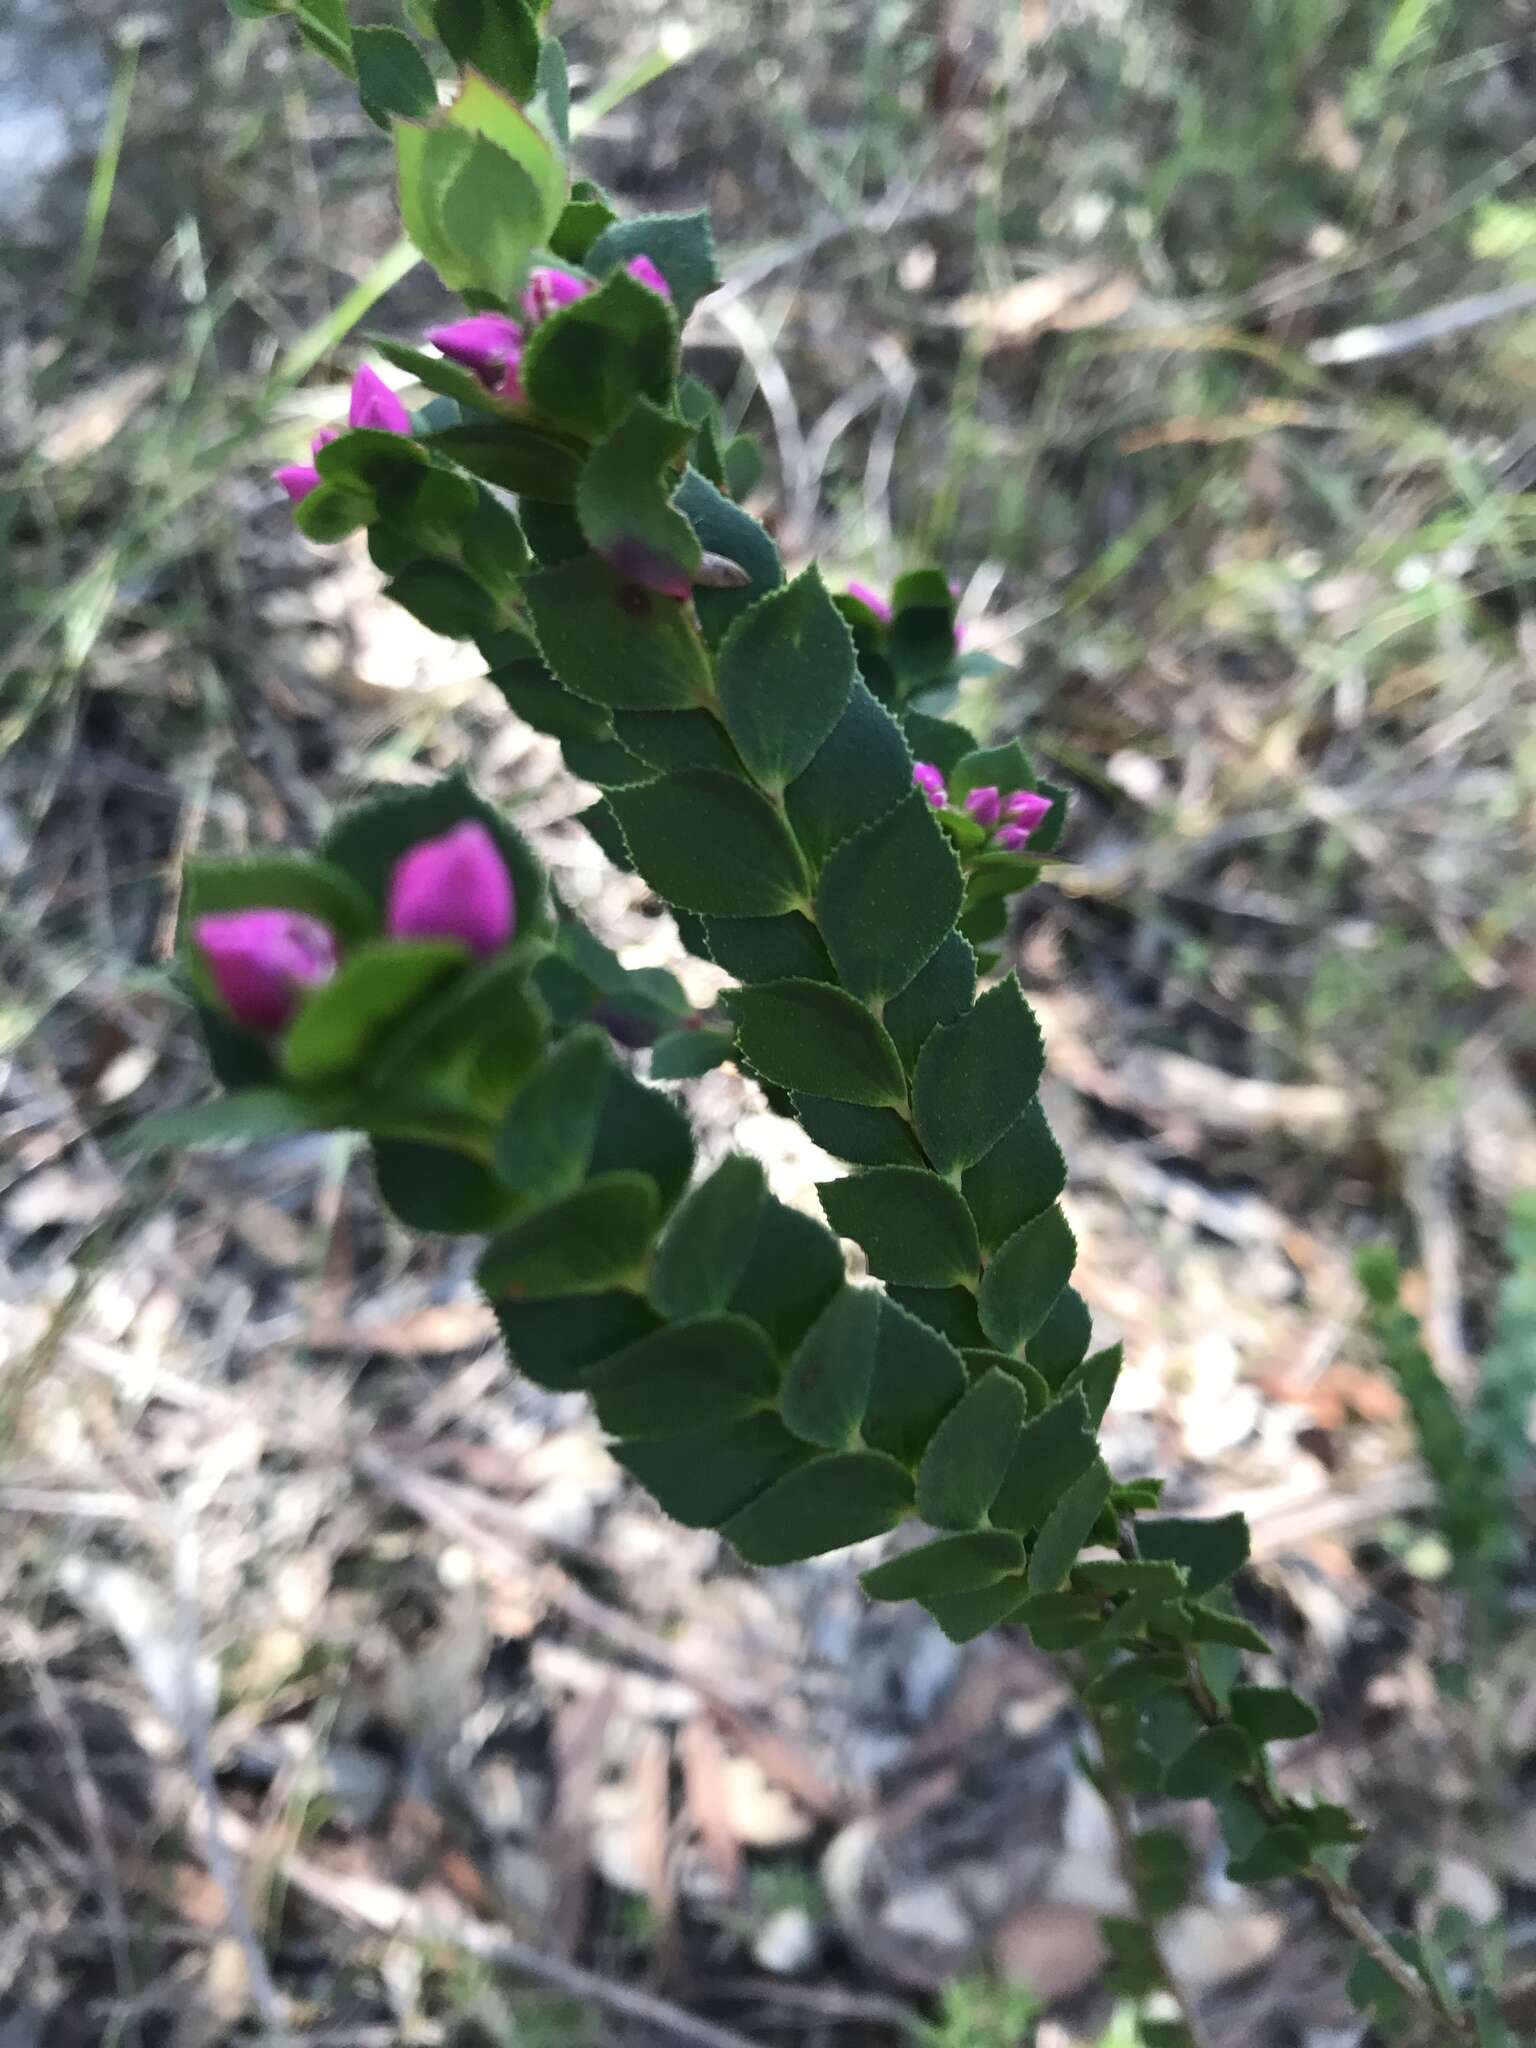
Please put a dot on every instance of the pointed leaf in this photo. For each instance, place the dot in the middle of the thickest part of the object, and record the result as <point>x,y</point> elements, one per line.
<point>429,1187</point>
<point>243,1118</point>
<point>786,948</point>
<point>391,73</point>
<point>1024,1279</point>
<point>613,642</point>
<point>724,529</point>
<point>857,1133</point>
<point>597,1238</point>
<point>689,1375</point>
<point>624,502</point>
<point>784,673</point>
<point>555,1343</point>
<point>680,245</point>
<point>1272,1713</point>
<point>376,984</point>
<point>545,1142</point>
<point>1060,1346</point>
<point>914,1228</point>
<point>1280,1852</point>
<point>861,772</point>
<point>940,993</point>
<point>976,1077</point>
<point>1211,1551</point>
<point>964,1616</point>
<point>826,1505</point>
<point>795,1268</point>
<point>1135,1679</point>
<point>709,1240</point>
<point>703,1478</point>
<point>887,899</point>
<point>1067,1528</point>
<point>953,1564</point>
<point>584,367</point>
<point>498,37</point>
<point>1217,1757</point>
<point>710,843</point>
<point>1053,1452</point>
<point>918,1379</point>
<point>1017,1180</point>
<point>808,1035</point>
<point>964,1463</point>
<point>951,1311</point>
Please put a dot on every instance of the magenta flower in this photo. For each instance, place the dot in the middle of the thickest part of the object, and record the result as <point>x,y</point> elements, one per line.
<point>985,805</point>
<point>262,961</point>
<point>874,602</point>
<point>549,290</point>
<point>490,344</point>
<point>372,404</point>
<point>1028,808</point>
<point>644,271</point>
<point>454,887</point>
<point>930,781</point>
<point>375,405</point>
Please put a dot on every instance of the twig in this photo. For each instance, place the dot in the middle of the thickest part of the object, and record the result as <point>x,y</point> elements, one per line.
<point>388,1910</point>
<point>1397,337</point>
<point>1122,1816</point>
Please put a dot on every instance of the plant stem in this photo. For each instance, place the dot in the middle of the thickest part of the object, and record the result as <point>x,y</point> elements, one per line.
<point>1122,1814</point>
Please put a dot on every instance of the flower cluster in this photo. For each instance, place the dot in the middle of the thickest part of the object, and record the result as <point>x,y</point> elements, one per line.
<point>1010,820</point>
<point>373,405</point>
<point>265,961</point>
<point>491,344</point>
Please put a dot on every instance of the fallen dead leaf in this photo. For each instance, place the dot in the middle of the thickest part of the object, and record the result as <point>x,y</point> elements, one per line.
<point>1057,1951</point>
<point>1057,301</point>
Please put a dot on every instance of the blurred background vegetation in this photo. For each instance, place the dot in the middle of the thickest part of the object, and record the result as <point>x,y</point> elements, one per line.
<point>1197,340</point>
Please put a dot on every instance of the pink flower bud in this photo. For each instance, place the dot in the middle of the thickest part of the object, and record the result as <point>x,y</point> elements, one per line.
<point>263,960</point>
<point>985,805</point>
<point>872,601</point>
<point>375,405</point>
<point>930,781</point>
<point>454,887</point>
<point>490,344</point>
<point>298,479</point>
<point>1013,838</point>
<point>644,271</point>
<point>1027,808</point>
<point>548,290</point>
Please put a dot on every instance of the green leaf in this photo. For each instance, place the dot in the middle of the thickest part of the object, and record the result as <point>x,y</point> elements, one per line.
<point>861,772</point>
<point>554,1343</point>
<point>529,460</point>
<point>689,1375</point>
<point>368,840</point>
<point>479,1035</point>
<point>1067,1528</point>
<point>331,512</point>
<point>1055,1449</point>
<point>939,741</point>
<point>711,843</point>
<point>795,1268</point>
<point>240,1119</point>
<point>683,1055</point>
<point>964,1616</point>
<point>964,1463</point>
<point>324,26</point>
<point>552,99</point>
<point>979,1359</point>
<point>1217,1757</point>
<point>676,739</point>
<point>391,72</point>
<point>1210,1551</point>
<point>887,899</point>
<point>704,1478</point>
<point>376,983</point>
<point>808,1035</point>
<point>597,1238</point>
<point>1061,1343</point>
<point>921,639</point>
<point>786,948</point>
<point>498,37</point>
<point>624,502</point>
<point>584,367</point>
<point>431,1188</point>
<point>914,1228</point>
<point>277,881</point>
<point>445,599</point>
<point>826,1505</point>
<point>482,109</point>
<point>976,1077</point>
<point>1272,1713</point>
<point>1327,1826</point>
<point>613,642</point>
<point>952,1564</point>
<point>641,1131</point>
<point>1007,767</point>
<point>709,1240</point>
<point>680,245</point>
<point>1202,1624</point>
<point>545,1142</point>
<point>1060,1621</point>
<point>827,1386</point>
<point>941,992</point>
<point>586,214</point>
<point>1280,1852</point>
<point>918,1379</point>
<point>724,529</point>
<point>1130,1575</point>
<point>1025,1276</point>
<point>1163,1872</point>
<point>784,672</point>
<point>861,1135</point>
<point>1097,1376</point>
<point>1135,1679</point>
<point>949,1310</point>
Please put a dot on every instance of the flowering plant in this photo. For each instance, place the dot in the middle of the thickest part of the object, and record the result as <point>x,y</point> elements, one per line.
<point>781,766</point>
